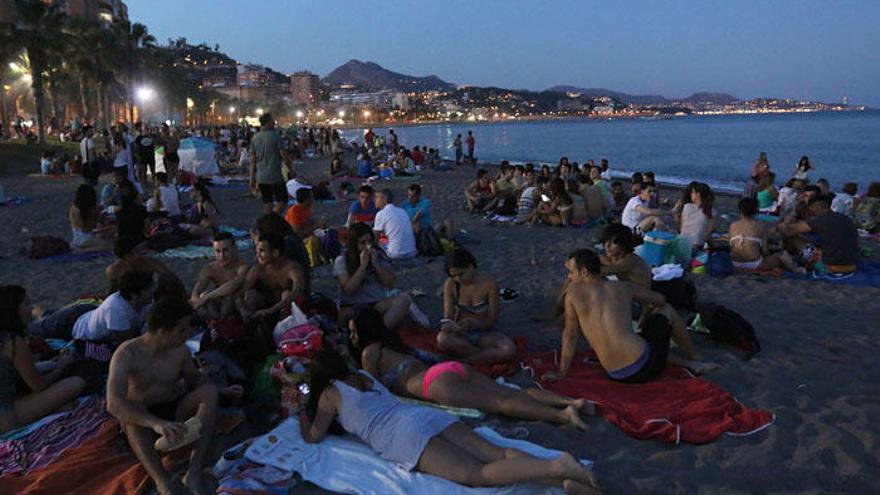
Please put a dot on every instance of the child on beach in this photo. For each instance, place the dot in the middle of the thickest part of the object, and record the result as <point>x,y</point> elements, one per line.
<point>767,194</point>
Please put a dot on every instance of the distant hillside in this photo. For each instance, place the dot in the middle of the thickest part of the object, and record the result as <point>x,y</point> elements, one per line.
<point>622,97</point>
<point>703,97</point>
<point>368,75</point>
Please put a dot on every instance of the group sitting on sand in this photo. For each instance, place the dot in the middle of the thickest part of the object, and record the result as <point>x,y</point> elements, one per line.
<point>133,343</point>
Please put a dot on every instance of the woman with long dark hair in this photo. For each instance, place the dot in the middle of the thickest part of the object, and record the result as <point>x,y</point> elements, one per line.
<point>83,217</point>
<point>365,277</point>
<point>48,393</point>
<point>420,438</point>
<point>205,221</point>
<point>402,370</point>
<point>697,216</point>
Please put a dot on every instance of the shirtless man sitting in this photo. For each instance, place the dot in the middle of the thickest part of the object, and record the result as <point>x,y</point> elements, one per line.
<point>220,281</point>
<point>602,311</point>
<point>273,282</point>
<point>144,394</point>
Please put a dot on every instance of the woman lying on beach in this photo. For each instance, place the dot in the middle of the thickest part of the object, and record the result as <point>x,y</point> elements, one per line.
<point>365,277</point>
<point>421,438</point>
<point>204,222</point>
<point>749,249</point>
<point>49,392</point>
<point>385,356</point>
<point>470,311</point>
<point>83,216</point>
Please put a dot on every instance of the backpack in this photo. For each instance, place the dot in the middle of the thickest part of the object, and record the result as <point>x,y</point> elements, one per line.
<point>729,327</point>
<point>679,292</point>
<point>330,245</point>
<point>720,264</point>
<point>44,246</point>
<point>428,243</point>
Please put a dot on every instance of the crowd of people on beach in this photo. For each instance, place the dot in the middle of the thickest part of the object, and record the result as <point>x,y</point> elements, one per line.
<point>132,343</point>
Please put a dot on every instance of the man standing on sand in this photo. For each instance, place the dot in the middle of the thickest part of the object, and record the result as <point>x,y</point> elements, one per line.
<point>170,159</point>
<point>266,157</point>
<point>220,281</point>
<point>91,168</point>
<point>144,393</point>
<point>471,144</point>
<point>273,282</point>
<point>457,145</point>
<point>601,309</point>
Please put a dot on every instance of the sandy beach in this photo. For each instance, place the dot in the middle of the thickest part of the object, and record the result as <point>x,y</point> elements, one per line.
<point>817,373</point>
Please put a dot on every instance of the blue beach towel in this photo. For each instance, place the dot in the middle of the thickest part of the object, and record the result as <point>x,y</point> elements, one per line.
<point>867,275</point>
<point>70,257</point>
<point>15,201</point>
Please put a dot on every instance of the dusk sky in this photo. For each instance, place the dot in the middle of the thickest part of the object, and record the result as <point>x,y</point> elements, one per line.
<point>820,50</point>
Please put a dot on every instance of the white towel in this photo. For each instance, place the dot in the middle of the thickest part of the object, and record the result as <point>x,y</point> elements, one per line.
<point>347,465</point>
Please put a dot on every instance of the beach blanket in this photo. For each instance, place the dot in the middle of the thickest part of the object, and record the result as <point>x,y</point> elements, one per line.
<point>676,407</point>
<point>421,339</point>
<point>345,465</point>
<point>73,257</point>
<point>42,445</point>
<point>102,465</point>
<point>193,252</point>
<point>462,412</point>
<point>867,275</point>
<point>15,201</point>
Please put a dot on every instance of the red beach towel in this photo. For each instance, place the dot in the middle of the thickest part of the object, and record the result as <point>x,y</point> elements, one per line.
<point>421,339</point>
<point>676,407</point>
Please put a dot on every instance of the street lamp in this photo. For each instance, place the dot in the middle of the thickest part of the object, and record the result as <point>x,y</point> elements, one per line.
<point>341,113</point>
<point>145,94</point>
<point>299,114</point>
<point>231,110</point>
<point>259,111</point>
<point>366,114</point>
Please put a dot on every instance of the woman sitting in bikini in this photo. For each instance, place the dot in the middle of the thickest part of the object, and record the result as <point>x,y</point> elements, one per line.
<point>83,216</point>
<point>421,438</point>
<point>470,310</point>
<point>411,373</point>
<point>558,208</point>
<point>204,222</point>
<point>748,243</point>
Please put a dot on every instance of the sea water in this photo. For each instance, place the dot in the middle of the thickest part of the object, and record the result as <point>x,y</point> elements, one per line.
<point>719,150</point>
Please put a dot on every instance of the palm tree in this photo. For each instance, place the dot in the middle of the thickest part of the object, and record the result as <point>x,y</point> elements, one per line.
<point>79,52</point>
<point>9,49</point>
<point>39,27</point>
<point>135,42</point>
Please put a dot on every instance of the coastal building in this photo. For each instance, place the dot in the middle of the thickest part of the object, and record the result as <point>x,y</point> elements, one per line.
<point>385,99</point>
<point>306,89</point>
<point>252,75</point>
<point>106,12</point>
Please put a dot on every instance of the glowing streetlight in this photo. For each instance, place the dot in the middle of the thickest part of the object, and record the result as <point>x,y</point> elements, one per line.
<point>341,113</point>
<point>259,111</point>
<point>190,103</point>
<point>366,114</point>
<point>145,94</point>
<point>231,110</point>
<point>299,114</point>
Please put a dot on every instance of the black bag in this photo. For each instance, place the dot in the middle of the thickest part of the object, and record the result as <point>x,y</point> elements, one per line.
<point>428,243</point>
<point>729,327</point>
<point>679,292</point>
